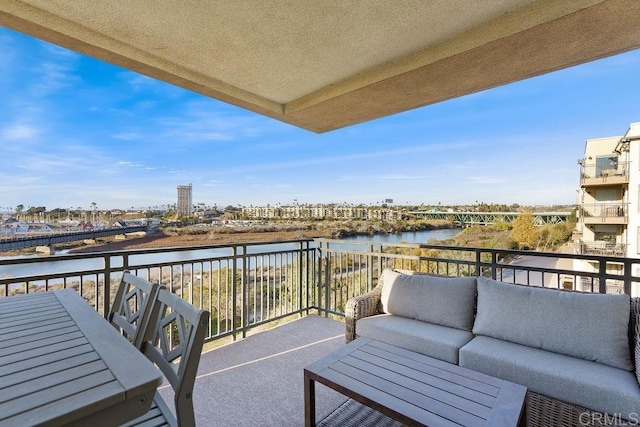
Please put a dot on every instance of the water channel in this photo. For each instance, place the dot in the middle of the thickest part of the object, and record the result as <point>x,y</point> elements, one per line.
<point>61,264</point>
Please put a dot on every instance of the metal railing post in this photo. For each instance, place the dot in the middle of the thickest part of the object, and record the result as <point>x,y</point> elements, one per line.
<point>494,266</point>
<point>319,252</point>
<point>310,261</point>
<point>327,284</point>
<point>234,291</point>
<point>106,303</point>
<point>627,276</point>
<point>370,268</point>
<point>300,248</point>
<point>245,292</point>
<point>602,277</point>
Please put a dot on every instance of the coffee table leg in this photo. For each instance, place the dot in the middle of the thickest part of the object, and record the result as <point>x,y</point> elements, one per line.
<point>309,402</point>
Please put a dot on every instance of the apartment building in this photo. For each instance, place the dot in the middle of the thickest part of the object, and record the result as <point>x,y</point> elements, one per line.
<point>609,198</point>
<point>323,212</point>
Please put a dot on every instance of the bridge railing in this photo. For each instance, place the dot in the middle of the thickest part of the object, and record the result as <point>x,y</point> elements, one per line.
<point>11,241</point>
<point>487,218</point>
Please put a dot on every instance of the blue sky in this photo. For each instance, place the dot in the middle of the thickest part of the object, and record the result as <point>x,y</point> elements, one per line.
<point>75,130</point>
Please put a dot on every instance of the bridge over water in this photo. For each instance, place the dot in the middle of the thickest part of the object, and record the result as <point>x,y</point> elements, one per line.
<point>23,241</point>
<point>488,218</point>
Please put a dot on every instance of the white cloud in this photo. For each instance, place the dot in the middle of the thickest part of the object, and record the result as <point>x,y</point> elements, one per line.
<point>130,164</point>
<point>206,120</point>
<point>398,177</point>
<point>138,81</point>
<point>386,177</point>
<point>127,136</point>
<point>20,132</point>
<point>483,180</point>
<point>8,52</point>
<point>59,52</point>
<point>53,77</point>
<point>399,152</point>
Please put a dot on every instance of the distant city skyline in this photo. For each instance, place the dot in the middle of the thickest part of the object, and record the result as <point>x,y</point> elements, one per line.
<point>75,130</point>
<point>513,207</point>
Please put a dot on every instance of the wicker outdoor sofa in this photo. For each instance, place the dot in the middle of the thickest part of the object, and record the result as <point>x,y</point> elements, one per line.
<point>427,314</point>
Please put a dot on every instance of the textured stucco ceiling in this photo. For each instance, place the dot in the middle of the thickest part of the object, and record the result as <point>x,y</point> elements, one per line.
<point>322,65</point>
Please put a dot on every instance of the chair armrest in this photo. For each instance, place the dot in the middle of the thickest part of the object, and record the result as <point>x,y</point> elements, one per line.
<point>634,334</point>
<point>364,305</point>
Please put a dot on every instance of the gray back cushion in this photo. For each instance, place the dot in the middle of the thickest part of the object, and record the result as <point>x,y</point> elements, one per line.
<point>585,325</point>
<point>446,301</point>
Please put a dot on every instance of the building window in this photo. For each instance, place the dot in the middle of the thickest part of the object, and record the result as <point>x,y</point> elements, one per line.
<point>606,163</point>
<point>605,233</point>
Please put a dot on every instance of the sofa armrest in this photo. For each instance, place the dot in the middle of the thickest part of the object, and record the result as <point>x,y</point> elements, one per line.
<point>634,334</point>
<point>364,305</point>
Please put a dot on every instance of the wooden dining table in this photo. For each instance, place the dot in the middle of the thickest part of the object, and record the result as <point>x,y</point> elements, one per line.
<point>61,363</point>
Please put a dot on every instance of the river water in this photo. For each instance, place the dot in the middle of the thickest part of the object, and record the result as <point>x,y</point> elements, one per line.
<point>62,265</point>
<point>408,236</point>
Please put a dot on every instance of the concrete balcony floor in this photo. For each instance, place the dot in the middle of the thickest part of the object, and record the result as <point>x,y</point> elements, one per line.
<point>258,381</point>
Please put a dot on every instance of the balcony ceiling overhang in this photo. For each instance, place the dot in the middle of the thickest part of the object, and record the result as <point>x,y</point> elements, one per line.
<point>323,65</point>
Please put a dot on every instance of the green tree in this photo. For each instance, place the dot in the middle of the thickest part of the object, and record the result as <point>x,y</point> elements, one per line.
<point>523,230</point>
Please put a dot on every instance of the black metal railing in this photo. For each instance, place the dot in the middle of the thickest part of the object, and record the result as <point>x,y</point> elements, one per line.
<point>247,285</point>
<point>346,268</point>
<point>242,285</point>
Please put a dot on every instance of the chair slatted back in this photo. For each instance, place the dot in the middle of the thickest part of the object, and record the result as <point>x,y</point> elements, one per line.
<point>179,334</point>
<point>132,307</point>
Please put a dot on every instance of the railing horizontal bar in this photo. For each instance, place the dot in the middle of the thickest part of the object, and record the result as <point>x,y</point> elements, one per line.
<point>43,277</point>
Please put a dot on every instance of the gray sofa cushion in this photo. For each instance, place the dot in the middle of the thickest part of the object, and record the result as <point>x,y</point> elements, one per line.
<point>585,325</point>
<point>446,301</point>
<point>437,341</point>
<point>581,382</point>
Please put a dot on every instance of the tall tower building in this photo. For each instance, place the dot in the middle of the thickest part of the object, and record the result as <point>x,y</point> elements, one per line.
<point>185,201</point>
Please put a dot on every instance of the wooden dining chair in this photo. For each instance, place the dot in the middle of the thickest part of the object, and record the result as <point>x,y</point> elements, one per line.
<point>179,334</point>
<point>132,307</point>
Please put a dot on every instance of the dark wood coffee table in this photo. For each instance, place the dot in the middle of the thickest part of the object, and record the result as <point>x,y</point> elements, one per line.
<point>413,388</point>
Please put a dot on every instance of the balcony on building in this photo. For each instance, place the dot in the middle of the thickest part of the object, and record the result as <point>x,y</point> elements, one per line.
<point>602,247</point>
<point>324,80</point>
<point>596,175</point>
<point>604,213</point>
<point>301,287</point>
